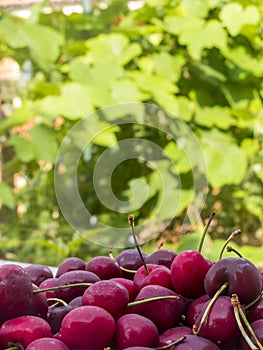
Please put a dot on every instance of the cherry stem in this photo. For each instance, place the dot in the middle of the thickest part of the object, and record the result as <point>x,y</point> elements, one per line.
<point>171,344</point>
<point>127,270</point>
<point>208,308</point>
<point>230,249</point>
<point>254,301</point>
<point>58,301</point>
<point>13,348</point>
<point>131,223</point>
<point>200,246</point>
<point>81,284</point>
<point>233,235</point>
<point>239,313</point>
<point>143,301</point>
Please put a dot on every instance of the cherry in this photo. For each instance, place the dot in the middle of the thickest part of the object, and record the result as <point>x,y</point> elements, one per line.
<point>242,276</point>
<point>38,273</point>
<point>16,292</point>
<point>56,315</point>
<point>174,334</point>
<point>23,330</point>
<point>257,327</point>
<point>193,342</point>
<point>164,313</point>
<point>49,283</point>
<point>104,267</point>
<point>47,344</point>
<point>161,257</point>
<point>110,295</point>
<point>255,312</point>
<point>194,309</point>
<point>39,304</point>
<point>128,284</point>
<point>214,326</point>
<point>130,259</point>
<point>76,302</point>
<point>135,330</point>
<point>87,328</point>
<point>73,277</point>
<point>158,275</point>
<point>188,271</point>
<point>70,264</point>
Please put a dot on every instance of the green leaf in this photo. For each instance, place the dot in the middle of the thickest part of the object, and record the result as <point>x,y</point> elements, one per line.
<point>226,162</point>
<point>7,196</point>
<point>169,66</point>
<point>19,117</point>
<point>42,41</point>
<point>178,156</point>
<point>198,35</point>
<point>44,143</point>
<point>234,17</point>
<point>107,137</point>
<point>214,116</point>
<point>125,91</point>
<point>73,103</point>
<point>23,148</point>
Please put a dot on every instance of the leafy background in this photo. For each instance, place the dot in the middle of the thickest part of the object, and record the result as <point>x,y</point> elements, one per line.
<point>201,61</point>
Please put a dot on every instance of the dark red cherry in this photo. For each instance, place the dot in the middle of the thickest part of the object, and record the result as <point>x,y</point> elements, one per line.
<point>161,257</point>
<point>255,312</point>
<point>130,259</point>
<point>16,292</point>
<point>70,264</point>
<point>194,309</point>
<point>174,334</point>
<point>38,273</point>
<point>165,313</point>
<point>194,342</point>
<point>104,267</point>
<point>242,276</point>
<point>135,330</point>
<point>74,277</point>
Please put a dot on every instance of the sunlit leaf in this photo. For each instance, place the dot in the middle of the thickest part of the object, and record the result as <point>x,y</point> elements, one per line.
<point>234,17</point>
<point>7,196</point>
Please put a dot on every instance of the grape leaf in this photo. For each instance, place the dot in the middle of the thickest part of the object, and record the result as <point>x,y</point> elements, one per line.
<point>226,162</point>
<point>234,17</point>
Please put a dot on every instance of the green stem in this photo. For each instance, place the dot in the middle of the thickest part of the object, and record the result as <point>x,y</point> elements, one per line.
<point>254,301</point>
<point>139,302</point>
<point>65,286</point>
<point>200,246</point>
<point>243,316</point>
<point>236,304</point>
<point>208,308</point>
<point>171,344</point>
<point>233,234</point>
<point>58,301</point>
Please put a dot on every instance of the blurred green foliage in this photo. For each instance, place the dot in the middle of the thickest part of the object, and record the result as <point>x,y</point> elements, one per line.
<point>201,61</point>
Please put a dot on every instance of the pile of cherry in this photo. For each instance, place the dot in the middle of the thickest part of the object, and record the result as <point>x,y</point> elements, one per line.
<point>168,301</point>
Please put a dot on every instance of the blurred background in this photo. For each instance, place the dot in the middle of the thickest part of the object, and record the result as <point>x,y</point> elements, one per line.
<point>62,60</point>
